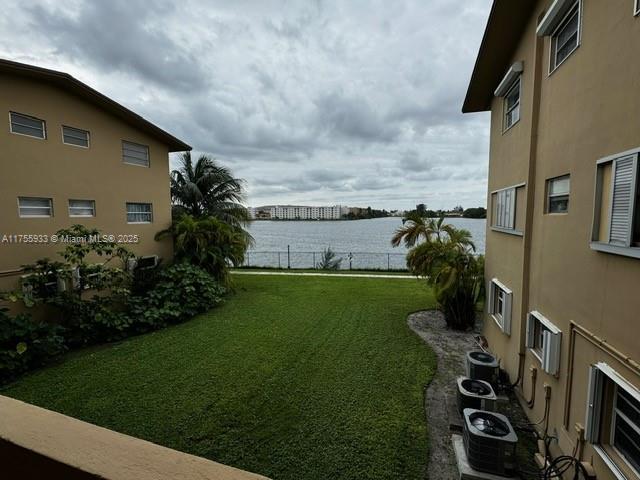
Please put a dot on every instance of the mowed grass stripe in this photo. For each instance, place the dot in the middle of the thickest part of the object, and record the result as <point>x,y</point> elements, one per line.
<point>293,377</point>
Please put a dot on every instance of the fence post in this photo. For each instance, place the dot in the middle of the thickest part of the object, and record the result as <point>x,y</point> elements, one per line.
<point>388,261</point>
<point>279,260</point>
<point>350,260</point>
<point>248,259</point>
<point>289,256</point>
<point>314,259</point>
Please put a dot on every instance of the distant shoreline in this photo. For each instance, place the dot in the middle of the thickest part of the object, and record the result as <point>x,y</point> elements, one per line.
<point>347,219</point>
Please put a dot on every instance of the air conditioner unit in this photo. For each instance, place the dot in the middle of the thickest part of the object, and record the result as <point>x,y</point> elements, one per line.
<point>483,366</point>
<point>476,394</point>
<point>144,263</point>
<point>490,442</point>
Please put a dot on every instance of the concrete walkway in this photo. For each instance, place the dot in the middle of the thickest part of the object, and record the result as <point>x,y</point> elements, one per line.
<point>313,274</point>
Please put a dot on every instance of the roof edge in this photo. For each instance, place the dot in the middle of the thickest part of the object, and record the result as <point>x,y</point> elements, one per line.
<point>72,84</point>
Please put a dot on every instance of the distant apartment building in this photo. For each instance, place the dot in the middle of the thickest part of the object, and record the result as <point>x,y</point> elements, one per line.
<point>296,212</point>
<point>71,155</point>
<point>561,80</point>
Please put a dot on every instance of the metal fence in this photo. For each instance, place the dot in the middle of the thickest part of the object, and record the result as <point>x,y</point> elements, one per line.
<point>309,260</point>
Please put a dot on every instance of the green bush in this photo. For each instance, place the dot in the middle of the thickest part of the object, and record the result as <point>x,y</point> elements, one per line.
<point>182,291</point>
<point>26,344</point>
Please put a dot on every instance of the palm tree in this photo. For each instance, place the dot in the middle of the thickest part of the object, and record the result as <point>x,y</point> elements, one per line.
<point>208,189</point>
<point>208,243</point>
<point>417,226</point>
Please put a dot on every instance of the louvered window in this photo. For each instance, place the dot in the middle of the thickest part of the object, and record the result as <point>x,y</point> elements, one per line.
<point>623,200</point>
<point>543,338</point>
<point>613,420</point>
<point>616,227</point>
<point>499,305</point>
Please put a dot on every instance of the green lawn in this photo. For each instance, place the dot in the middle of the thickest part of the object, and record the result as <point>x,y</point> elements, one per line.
<point>293,377</point>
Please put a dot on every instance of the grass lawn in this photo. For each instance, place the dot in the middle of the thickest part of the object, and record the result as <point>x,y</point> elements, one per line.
<point>293,378</point>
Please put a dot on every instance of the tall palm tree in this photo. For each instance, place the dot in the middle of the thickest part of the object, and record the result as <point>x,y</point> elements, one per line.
<point>208,189</point>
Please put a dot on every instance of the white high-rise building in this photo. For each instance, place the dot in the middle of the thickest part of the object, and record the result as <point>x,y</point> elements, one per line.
<point>297,212</point>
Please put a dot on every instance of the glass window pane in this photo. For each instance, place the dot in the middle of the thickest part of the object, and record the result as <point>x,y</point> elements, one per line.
<point>135,154</point>
<point>26,125</point>
<point>75,136</point>
<point>627,441</point>
<point>34,207</point>
<point>559,185</point>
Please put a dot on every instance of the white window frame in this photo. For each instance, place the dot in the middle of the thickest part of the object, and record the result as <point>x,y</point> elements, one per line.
<point>636,9</point>
<point>93,206</point>
<point>20,208</point>
<point>629,249</point>
<point>517,83</point>
<point>510,214</point>
<point>502,319</point>
<point>549,355</point>
<point>139,203</point>
<point>598,374</point>
<point>147,165</point>
<point>62,127</point>
<point>550,195</point>
<point>44,126</point>
<point>553,65</point>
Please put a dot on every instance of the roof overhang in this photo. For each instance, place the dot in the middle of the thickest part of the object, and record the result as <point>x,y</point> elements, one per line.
<point>507,20</point>
<point>75,86</point>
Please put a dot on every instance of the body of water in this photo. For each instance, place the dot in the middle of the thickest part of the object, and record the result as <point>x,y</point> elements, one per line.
<point>360,243</point>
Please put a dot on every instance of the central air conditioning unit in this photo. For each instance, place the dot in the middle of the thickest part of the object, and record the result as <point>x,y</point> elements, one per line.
<point>483,366</point>
<point>476,394</point>
<point>490,442</point>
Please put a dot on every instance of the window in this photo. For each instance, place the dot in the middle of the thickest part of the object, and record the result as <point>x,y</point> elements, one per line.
<point>27,125</point>
<point>499,305</point>
<point>613,420</point>
<point>75,136</point>
<point>512,105</point>
<point>616,226</point>
<point>35,207</point>
<point>82,208</point>
<point>504,209</point>
<point>558,195</point>
<point>566,38</point>
<point>139,213</point>
<point>544,338</point>
<point>636,9</point>
<point>135,154</point>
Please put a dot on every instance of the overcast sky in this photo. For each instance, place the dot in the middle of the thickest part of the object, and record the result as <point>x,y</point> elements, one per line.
<point>312,102</point>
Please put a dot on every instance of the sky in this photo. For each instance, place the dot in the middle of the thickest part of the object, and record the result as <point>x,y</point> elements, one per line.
<point>317,102</point>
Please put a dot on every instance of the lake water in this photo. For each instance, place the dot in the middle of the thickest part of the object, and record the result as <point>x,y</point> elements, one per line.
<point>368,242</point>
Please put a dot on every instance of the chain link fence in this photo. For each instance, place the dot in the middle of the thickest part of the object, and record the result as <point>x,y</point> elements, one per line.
<point>309,260</point>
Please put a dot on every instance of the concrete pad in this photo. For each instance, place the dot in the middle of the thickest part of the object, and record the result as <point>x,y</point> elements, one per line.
<point>466,472</point>
<point>454,417</point>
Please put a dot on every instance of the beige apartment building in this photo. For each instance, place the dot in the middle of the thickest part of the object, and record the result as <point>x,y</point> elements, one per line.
<point>71,155</point>
<point>562,82</point>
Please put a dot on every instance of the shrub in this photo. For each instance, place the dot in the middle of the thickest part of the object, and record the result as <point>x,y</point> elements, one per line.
<point>328,261</point>
<point>182,291</point>
<point>208,243</point>
<point>25,344</point>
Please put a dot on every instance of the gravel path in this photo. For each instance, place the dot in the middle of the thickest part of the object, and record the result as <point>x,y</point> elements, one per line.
<point>450,348</point>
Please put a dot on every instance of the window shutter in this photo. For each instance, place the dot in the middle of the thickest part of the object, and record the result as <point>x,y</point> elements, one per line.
<point>623,197</point>
<point>512,208</point>
<point>592,430</point>
<point>593,400</point>
<point>492,296</point>
<point>551,352</point>
<point>531,331</point>
<point>506,316</point>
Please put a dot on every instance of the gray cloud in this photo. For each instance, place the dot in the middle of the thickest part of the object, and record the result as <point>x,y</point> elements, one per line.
<point>311,102</point>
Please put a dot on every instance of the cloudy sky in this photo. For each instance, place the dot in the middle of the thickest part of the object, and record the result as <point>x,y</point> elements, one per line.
<point>314,102</point>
